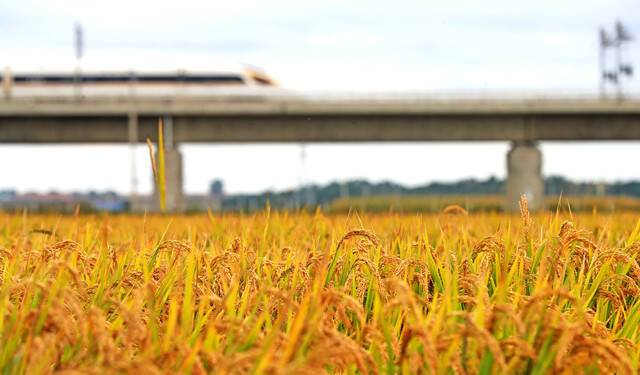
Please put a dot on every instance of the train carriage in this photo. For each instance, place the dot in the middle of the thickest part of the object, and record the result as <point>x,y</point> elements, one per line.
<point>160,82</point>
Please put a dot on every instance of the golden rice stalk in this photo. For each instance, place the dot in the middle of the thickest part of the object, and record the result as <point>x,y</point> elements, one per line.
<point>359,233</point>
<point>454,210</point>
<point>152,157</point>
<point>158,167</point>
<point>162,186</point>
<point>525,216</point>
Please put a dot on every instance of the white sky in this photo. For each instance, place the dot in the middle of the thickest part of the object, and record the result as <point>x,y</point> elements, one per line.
<point>473,46</point>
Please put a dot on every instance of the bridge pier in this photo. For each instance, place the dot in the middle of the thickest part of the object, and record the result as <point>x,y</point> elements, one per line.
<point>173,172</point>
<point>173,180</point>
<point>524,176</point>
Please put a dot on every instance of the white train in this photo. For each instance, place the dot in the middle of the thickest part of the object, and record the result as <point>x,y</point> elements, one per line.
<point>244,81</point>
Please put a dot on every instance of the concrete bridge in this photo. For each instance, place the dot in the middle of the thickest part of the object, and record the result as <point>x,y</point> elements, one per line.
<point>523,121</point>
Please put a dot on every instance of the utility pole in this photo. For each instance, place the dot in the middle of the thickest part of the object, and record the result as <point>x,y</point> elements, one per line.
<point>622,36</point>
<point>133,140</point>
<point>615,75</point>
<point>301,194</point>
<point>79,49</point>
<point>605,42</point>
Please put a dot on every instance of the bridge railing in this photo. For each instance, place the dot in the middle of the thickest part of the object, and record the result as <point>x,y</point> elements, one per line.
<point>465,95</point>
<point>247,93</point>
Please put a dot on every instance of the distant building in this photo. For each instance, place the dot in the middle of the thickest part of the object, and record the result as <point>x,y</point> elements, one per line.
<point>216,188</point>
<point>7,195</point>
<point>64,202</point>
<point>216,194</point>
<point>109,202</point>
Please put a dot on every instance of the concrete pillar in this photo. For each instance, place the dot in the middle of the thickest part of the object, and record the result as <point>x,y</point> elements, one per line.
<point>524,176</point>
<point>173,171</point>
<point>173,177</point>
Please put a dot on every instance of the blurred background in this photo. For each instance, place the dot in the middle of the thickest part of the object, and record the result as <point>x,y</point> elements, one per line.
<point>331,50</point>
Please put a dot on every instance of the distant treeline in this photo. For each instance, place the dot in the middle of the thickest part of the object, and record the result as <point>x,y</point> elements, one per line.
<point>325,195</point>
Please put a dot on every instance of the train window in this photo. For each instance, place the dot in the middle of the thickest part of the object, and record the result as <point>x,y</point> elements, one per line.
<point>118,78</point>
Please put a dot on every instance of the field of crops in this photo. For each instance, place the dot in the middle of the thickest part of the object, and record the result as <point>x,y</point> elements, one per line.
<point>309,293</point>
<point>479,203</point>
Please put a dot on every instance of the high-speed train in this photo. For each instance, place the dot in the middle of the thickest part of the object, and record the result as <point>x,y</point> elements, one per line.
<point>238,81</point>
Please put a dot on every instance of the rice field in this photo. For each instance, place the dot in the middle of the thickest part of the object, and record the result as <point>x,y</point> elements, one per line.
<point>309,293</point>
<point>479,203</point>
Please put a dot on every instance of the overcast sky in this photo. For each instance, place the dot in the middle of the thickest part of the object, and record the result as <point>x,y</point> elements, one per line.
<point>547,47</point>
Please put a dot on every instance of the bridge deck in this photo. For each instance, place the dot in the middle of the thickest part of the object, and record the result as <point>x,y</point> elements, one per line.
<point>305,119</point>
<point>269,105</point>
